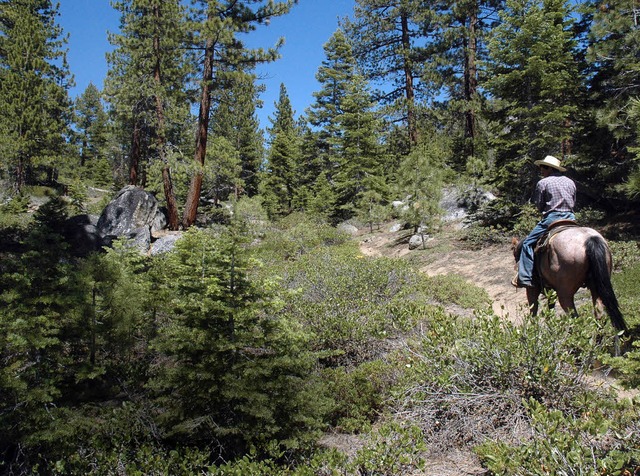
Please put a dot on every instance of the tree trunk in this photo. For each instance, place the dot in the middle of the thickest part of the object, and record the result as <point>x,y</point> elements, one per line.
<point>471,84</point>
<point>408,81</point>
<point>134,155</point>
<point>172,205</point>
<point>193,197</point>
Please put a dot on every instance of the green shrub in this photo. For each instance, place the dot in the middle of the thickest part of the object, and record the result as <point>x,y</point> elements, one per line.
<point>392,450</point>
<point>562,444</point>
<point>468,378</point>
<point>296,235</point>
<point>477,237</point>
<point>625,284</point>
<point>359,394</point>
<point>351,302</point>
<point>454,289</point>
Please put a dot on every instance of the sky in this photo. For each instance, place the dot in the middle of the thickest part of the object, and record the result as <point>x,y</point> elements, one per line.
<point>306,29</point>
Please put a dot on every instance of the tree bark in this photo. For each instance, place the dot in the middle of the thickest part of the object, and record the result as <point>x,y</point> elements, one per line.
<point>134,154</point>
<point>408,81</point>
<point>193,197</point>
<point>471,84</point>
<point>172,205</point>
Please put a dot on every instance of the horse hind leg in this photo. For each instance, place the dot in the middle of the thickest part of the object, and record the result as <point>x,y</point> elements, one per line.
<point>598,306</point>
<point>533,293</point>
<point>567,303</point>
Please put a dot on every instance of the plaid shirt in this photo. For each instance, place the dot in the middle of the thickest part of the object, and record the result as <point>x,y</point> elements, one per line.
<point>555,193</point>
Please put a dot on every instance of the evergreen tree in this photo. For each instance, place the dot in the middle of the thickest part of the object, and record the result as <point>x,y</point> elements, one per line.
<point>34,81</point>
<point>215,32</point>
<point>613,41</point>
<point>536,85</point>
<point>91,129</point>
<point>420,178</point>
<point>457,34</point>
<point>36,305</point>
<point>387,35</point>
<point>145,85</point>
<point>281,175</point>
<point>334,75</point>
<point>359,177</point>
<point>233,372</point>
<point>234,118</point>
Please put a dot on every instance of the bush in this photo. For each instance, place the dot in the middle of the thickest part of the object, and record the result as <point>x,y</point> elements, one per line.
<point>562,444</point>
<point>295,236</point>
<point>359,394</point>
<point>351,302</point>
<point>467,379</point>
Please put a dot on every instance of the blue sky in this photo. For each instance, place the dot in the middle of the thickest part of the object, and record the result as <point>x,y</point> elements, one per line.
<point>306,29</point>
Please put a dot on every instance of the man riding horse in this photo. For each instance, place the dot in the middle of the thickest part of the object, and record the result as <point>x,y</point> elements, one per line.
<point>555,197</point>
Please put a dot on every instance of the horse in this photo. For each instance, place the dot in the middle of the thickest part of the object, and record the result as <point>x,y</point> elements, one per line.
<point>568,258</point>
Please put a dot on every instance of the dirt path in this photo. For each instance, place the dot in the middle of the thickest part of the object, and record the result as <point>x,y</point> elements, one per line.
<point>489,268</point>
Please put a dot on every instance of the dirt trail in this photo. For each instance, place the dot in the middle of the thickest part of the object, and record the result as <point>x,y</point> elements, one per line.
<point>489,268</point>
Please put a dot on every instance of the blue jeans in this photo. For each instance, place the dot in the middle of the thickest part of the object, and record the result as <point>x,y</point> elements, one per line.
<point>525,265</point>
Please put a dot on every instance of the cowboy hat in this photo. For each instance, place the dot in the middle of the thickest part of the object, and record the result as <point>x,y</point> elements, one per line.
<point>551,161</point>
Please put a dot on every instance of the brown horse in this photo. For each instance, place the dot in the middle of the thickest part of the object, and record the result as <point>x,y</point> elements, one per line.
<point>575,257</point>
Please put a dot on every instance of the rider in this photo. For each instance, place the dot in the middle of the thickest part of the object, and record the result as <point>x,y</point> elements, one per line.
<point>555,197</point>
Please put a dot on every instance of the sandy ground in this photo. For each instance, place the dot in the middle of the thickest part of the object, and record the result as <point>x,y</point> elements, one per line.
<point>489,268</point>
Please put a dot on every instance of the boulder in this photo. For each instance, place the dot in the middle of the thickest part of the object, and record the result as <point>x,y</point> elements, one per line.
<point>165,243</point>
<point>131,209</point>
<point>81,233</point>
<point>348,229</point>
<point>419,241</point>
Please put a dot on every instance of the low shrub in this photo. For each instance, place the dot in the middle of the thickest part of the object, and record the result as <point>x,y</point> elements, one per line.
<point>561,444</point>
<point>466,379</point>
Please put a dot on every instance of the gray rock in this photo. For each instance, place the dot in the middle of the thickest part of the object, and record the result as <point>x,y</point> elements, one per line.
<point>419,241</point>
<point>82,235</point>
<point>165,243</point>
<point>348,229</point>
<point>132,208</point>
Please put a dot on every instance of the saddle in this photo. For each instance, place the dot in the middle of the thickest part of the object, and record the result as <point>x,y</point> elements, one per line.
<point>553,229</point>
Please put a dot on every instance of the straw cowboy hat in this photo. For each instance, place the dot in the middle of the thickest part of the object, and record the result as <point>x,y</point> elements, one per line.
<point>551,161</point>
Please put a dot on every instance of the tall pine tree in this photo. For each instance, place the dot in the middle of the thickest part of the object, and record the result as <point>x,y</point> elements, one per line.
<point>216,27</point>
<point>281,174</point>
<point>91,131</point>
<point>34,82</point>
<point>536,84</point>
<point>145,85</point>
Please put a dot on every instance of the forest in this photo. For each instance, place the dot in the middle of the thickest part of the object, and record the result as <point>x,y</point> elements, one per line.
<point>266,332</point>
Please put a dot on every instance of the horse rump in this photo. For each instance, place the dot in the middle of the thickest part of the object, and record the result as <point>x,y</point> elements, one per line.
<point>600,279</point>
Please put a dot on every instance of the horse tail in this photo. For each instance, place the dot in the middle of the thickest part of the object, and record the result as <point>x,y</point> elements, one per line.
<point>600,279</point>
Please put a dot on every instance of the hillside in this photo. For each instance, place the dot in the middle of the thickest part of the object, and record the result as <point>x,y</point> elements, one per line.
<point>490,268</point>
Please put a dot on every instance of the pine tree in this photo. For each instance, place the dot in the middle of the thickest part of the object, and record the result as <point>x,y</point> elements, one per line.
<point>420,179</point>
<point>216,26</point>
<point>334,75</point>
<point>359,178</point>
<point>34,82</point>
<point>534,78</point>
<point>613,42</point>
<point>457,34</point>
<point>234,118</point>
<point>37,302</point>
<point>145,85</point>
<point>387,35</point>
<point>281,175</point>
<point>233,372</point>
<point>91,132</point>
